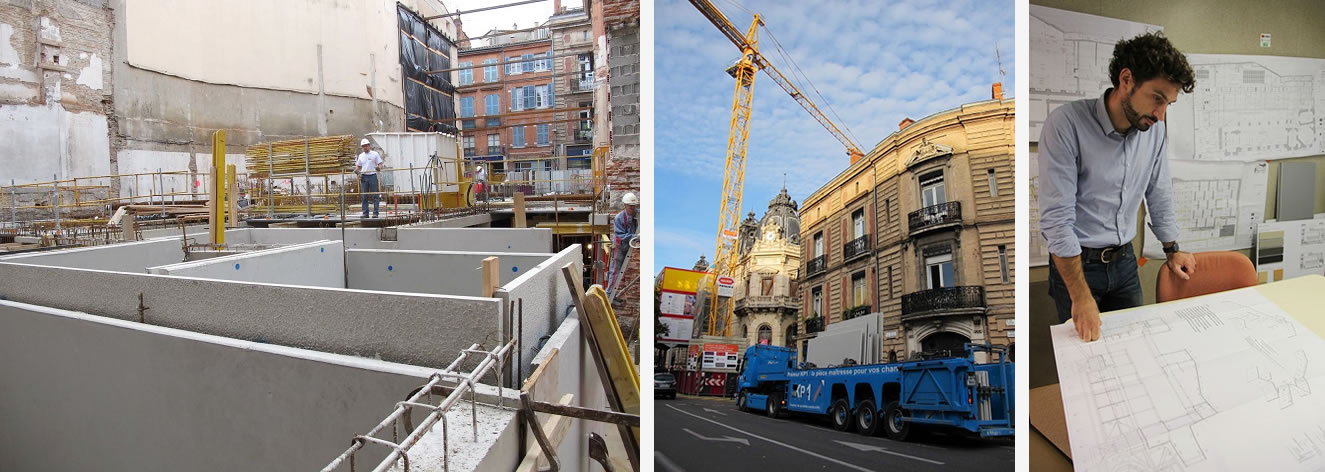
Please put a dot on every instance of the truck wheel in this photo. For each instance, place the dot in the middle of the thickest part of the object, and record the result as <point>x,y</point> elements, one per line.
<point>740,402</point>
<point>841,415</point>
<point>773,407</point>
<point>867,418</point>
<point>893,424</point>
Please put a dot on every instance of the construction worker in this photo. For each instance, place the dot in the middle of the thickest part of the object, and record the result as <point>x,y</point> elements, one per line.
<point>1098,158</point>
<point>366,166</point>
<point>481,182</point>
<point>625,228</point>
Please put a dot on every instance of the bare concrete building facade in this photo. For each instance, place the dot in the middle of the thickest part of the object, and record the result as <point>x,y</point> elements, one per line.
<point>920,230</point>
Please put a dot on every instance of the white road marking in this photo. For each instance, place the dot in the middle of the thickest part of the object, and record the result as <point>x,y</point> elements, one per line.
<point>780,443</point>
<point>715,411</point>
<point>867,447</point>
<point>721,439</point>
<point>664,464</point>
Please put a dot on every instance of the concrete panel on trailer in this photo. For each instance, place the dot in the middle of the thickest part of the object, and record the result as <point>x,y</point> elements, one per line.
<point>124,257</point>
<point>315,264</point>
<point>436,272</point>
<point>546,303</point>
<point>418,329</point>
<point>116,395</point>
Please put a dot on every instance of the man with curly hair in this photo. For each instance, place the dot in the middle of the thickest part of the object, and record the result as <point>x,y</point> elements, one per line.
<point>1098,158</point>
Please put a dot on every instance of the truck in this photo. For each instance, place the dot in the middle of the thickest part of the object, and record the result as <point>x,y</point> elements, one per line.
<point>955,393</point>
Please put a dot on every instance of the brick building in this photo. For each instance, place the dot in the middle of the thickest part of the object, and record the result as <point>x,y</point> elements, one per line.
<point>572,41</point>
<point>505,99</point>
<point>920,230</point>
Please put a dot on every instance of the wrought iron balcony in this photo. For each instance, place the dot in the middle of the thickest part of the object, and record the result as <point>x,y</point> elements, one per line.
<point>941,301</point>
<point>814,325</point>
<point>583,135</point>
<point>855,312</point>
<point>934,217</point>
<point>580,85</point>
<point>816,266</point>
<point>856,248</point>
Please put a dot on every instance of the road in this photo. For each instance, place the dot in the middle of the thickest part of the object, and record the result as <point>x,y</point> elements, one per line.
<point>695,434</point>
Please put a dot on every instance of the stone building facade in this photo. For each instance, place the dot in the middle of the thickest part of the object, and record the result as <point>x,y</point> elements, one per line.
<point>765,296</point>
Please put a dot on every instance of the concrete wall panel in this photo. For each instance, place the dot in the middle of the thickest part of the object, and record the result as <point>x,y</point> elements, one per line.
<point>315,264</point>
<point>122,396</point>
<point>435,272</point>
<point>546,303</point>
<point>477,239</point>
<point>124,257</point>
<point>418,329</point>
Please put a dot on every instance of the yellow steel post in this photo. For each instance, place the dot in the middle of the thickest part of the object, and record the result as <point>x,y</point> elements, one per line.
<point>217,217</point>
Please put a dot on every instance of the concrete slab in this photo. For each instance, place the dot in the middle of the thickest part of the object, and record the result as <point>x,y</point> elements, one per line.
<point>315,264</point>
<point>435,272</point>
<point>546,300</point>
<point>419,329</point>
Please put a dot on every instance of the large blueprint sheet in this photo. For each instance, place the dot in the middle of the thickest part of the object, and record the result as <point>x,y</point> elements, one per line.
<point>1222,382</point>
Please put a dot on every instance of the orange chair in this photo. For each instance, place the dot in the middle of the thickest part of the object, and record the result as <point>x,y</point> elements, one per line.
<point>1216,271</point>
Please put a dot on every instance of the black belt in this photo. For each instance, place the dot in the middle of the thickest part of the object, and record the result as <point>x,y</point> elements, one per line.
<point>1105,255</point>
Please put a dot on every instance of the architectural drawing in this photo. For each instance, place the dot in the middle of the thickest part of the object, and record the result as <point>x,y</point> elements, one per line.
<point>1070,55</point>
<point>1166,387</point>
<point>1218,205</point>
<point>1039,255</point>
<point>1290,249</point>
<point>1249,108</point>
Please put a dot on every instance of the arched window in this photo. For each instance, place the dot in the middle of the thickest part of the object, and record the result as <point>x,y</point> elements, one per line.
<point>765,334</point>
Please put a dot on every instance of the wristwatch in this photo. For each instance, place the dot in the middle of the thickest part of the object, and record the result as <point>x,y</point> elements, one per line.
<point>1170,249</point>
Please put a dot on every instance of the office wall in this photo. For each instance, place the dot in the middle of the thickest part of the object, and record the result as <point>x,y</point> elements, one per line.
<point>1297,28</point>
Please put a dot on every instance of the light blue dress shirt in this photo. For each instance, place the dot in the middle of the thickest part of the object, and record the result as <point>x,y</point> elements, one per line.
<point>1092,179</point>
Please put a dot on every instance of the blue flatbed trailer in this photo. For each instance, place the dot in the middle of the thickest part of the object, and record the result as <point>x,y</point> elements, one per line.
<point>954,392</point>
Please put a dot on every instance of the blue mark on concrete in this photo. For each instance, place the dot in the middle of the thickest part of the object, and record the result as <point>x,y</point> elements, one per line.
<point>321,249</point>
<point>236,266</point>
<point>508,246</point>
<point>388,268</point>
<point>515,269</point>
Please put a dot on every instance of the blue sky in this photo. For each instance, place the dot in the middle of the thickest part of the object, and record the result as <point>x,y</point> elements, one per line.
<point>875,62</point>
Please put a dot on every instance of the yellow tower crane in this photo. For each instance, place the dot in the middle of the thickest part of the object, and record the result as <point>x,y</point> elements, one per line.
<point>733,182</point>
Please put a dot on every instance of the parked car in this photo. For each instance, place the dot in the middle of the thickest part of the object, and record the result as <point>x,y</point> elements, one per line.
<point>664,385</point>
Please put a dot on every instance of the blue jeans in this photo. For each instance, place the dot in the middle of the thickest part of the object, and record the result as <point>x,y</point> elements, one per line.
<point>1114,286</point>
<point>369,182</point>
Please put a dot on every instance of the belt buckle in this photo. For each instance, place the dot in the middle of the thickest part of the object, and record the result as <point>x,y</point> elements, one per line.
<point>1104,254</point>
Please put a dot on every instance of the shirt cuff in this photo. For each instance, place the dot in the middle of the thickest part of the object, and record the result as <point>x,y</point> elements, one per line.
<point>1164,234</point>
<point>1063,242</point>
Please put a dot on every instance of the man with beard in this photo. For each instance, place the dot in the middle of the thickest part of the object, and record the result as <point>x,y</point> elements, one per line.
<point>1098,159</point>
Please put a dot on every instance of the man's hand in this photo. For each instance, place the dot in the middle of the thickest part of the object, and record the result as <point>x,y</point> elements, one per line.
<point>1086,317</point>
<point>1183,264</point>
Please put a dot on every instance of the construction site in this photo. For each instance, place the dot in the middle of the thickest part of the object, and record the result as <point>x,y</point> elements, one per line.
<point>190,277</point>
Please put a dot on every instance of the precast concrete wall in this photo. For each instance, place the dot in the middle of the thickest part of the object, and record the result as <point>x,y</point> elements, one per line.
<point>435,272</point>
<point>315,264</point>
<point>542,302</point>
<point>418,329</point>
<point>476,239</point>
<point>86,392</point>
<point>572,371</point>
<point>124,257</point>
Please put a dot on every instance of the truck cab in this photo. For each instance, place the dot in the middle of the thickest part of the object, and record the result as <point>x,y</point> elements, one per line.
<point>762,377</point>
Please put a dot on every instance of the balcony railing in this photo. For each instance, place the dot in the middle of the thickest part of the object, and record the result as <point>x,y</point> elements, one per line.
<point>583,135</point>
<point>855,312</point>
<point>936,216</point>
<point>496,150</point>
<point>578,85</point>
<point>816,266</point>
<point>941,300</point>
<point>814,325</point>
<point>856,248</point>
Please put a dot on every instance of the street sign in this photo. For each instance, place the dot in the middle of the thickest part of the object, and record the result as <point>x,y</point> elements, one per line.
<point>726,286</point>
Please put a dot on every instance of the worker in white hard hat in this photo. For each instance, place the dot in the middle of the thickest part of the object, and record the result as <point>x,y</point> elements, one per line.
<point>481,182</point>
<point>366,166</point>
<point>625,228</point>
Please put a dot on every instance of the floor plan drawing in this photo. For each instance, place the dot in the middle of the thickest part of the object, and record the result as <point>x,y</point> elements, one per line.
<point>1166,387</point>
<point>1039,255</point>
<point>1249,108</point>
<point>1218,205</point>
<point>1070,55</point>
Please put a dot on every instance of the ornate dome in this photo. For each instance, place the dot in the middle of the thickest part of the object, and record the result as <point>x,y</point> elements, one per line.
<point>782,210</point>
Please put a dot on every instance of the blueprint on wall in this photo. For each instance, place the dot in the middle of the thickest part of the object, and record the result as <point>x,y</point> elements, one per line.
<point>1070,55</point>
<point>1221,382</point>
<point>1039,246</point>
<point>1218,205</point>
<point>1250,108</point>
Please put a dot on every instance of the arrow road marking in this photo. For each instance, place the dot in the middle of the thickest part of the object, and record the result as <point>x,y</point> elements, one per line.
<point>721,439</point>
<point>774,441</point>
<point>715,411</point>
<point>867,447</point>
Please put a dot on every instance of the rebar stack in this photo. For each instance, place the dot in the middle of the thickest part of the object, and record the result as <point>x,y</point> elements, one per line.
<point>311,156</point>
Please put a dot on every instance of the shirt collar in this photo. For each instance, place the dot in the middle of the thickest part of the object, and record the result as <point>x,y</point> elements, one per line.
<point>1102,115</point>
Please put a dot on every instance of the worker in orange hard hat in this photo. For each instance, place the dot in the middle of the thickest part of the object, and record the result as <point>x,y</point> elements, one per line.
<point>625,230</point>
<point>366,166</point>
